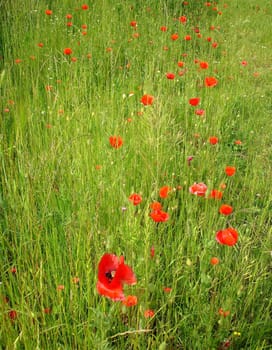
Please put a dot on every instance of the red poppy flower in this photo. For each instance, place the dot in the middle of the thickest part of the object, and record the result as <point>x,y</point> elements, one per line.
<point>12,315</point>
<point>198,189</point>
<point>164,191</point>
<point>69,16</point>
<point>180,64</point>
<point>228,236</point>
<point>170,76</point>
<point>163,29</point>
<point>159,215</point>
<point>48,12</point>
<point>84,7</point>
<point>225,209</point>
<point>149,313</point>
<point>230,170</point>
<point>113,273</point>
<point>200,112</point>
<point>194,101</point>
<point>133,24</point>
<point>214,261</point>
<point>67,51</point>
<point>211,81</point>
<point>116,141</point>
<point>156,206</point>
<point>135,198</point>
<point>174,37</point>
<point>147,100</point>
<point>213,140</point>
<point>130,300</point>
<point>216,194</point>
<point>152,252</point>
<point>183,19</point>
<point>69,24</point>
<point>187,37</point>
<point>203,65</point>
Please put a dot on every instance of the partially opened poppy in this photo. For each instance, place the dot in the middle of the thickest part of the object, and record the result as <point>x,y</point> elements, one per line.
<point>216,194</point>
<point>113,273</point>
<point>203,65</point>
<point>135,198</point>
<point>198,189</point>
<point>164,191</point>
<point>147,100</point>
<point>225,209</point>
<point>67,51</point>
<point>228,236</point>
<point>194,101</point>
<point>116,141</point>
<point>170,76</point>
<point>211,81</point>
<point>155,206</point>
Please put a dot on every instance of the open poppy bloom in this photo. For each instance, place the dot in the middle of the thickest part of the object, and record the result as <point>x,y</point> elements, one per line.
<point>198,189</point>
<point>159,215</point>
<point>213,140</point>
<point>230,170</point>
<point>113,273</point>
<point>147,100</point>
<point>216,194</point>
<point>170,76</point>
<point>228,236</point>
<point>135,198</point>
<point>211,81</point>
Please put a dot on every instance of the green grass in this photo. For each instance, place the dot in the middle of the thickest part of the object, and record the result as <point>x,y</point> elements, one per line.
<point>64,189</point>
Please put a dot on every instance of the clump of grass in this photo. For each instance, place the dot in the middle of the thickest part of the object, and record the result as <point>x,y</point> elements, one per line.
<point>65,190</point>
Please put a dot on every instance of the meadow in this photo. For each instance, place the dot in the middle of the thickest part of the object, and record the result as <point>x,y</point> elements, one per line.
<point>136,163</point>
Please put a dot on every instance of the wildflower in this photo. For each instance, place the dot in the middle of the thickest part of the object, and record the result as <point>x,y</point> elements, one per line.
<point>214,261</point>
<point>152,252</point>
<point>60,287</point>
<point>113,273</point>
<point>130,300</point>
<point>187,37</point>
<point>200,112</point>
<point>135,198</point>
<point>194,101</point>
<point>225,209</point>
<point>183,19</point>
<point>164,191</point>
<point>238,142</point>
<point>69,16</point>
<point>228,236</point>
<point>213,140</point>
<point>69,24</point>
<point>221,312</point>
<point>170,76</point>
<point>40,44</point>
<point>67,51</point>
<point>211,81</point>
<point>159,215</point>
<point>174,37</point>
<point>116,141</point>
<point>12,315</point>
<point>244,63</point>
<point>48,12</point>
<point>13,270</point>
<point>147,100</point>
<point>198,189</point>
<point>216,194</point>
<point>163,29</point>
<point>84,7</point>
<point>155,206</point>
<point>47,310</point>
<point>75,280</point>
<point>133,24</point>
<point>167,289</point>
<point>180,64</point>
<point>230,170</point>
<point>214,45</point>
<point>149,313</point>
<point>189,159</point>
<point>203,65</point>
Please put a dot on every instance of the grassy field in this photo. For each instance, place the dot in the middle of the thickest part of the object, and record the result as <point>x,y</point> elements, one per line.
<point>79,139</point>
